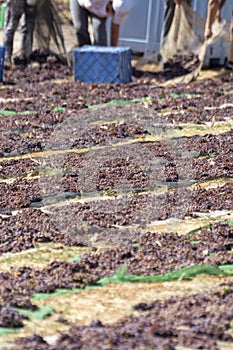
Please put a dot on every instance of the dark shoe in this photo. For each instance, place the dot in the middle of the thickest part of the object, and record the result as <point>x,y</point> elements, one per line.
<point>21,61</point>
<point>229,65</point>
<point>7,63</point>
<point>168,66</point>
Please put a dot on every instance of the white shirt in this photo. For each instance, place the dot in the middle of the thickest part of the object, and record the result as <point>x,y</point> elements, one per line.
<point>99,7</point>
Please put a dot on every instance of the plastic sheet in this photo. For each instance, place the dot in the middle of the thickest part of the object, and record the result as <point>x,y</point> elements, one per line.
<point>48,29</point>
<point>186,38</point>
<point>187,33</point>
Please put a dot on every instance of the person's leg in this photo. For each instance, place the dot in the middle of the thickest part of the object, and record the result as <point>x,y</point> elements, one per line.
<point>230,54</point>
<point>169,10</point>
<point>189,2</point>
<point>27,29</point>
<point>99,30</point>
<point>80,21</point>
<point>13,13</point>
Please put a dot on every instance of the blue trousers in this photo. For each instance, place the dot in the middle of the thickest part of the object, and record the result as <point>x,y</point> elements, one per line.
<point>80,17</point>
<point>16,9</point>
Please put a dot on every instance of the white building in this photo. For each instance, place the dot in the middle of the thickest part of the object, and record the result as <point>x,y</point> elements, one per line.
<point>142,29</point>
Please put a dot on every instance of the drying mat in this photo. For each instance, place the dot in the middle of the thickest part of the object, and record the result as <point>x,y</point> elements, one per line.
<point>186,42</point>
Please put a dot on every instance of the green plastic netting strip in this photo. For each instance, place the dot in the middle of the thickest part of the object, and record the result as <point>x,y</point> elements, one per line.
<point>38,315</point>
<point>75,258</point>
<point>121,277</point>
<point>228,269</point>
<point>122,102</point>
<point>8,113</point>
<point>58,292</point>
<point>198,229</point>
<point>185,273</point>
<point>58,109</point>
<point>229,222</point>
<point>5,331</point>
<point>174,95</point>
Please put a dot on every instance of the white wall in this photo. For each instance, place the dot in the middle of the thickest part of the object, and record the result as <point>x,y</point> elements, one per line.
<point>142,28</point>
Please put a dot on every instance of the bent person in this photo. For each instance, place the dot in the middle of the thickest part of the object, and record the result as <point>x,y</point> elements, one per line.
<point>97,11</point>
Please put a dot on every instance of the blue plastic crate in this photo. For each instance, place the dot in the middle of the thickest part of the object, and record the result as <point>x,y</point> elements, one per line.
<point>97,64</point>
<point>2,55</point>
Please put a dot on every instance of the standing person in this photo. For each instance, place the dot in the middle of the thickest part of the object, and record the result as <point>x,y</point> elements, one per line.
<point>169,10</point>
<point>98,11</point>
<point>214,13</point>
<point>16,10</point>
